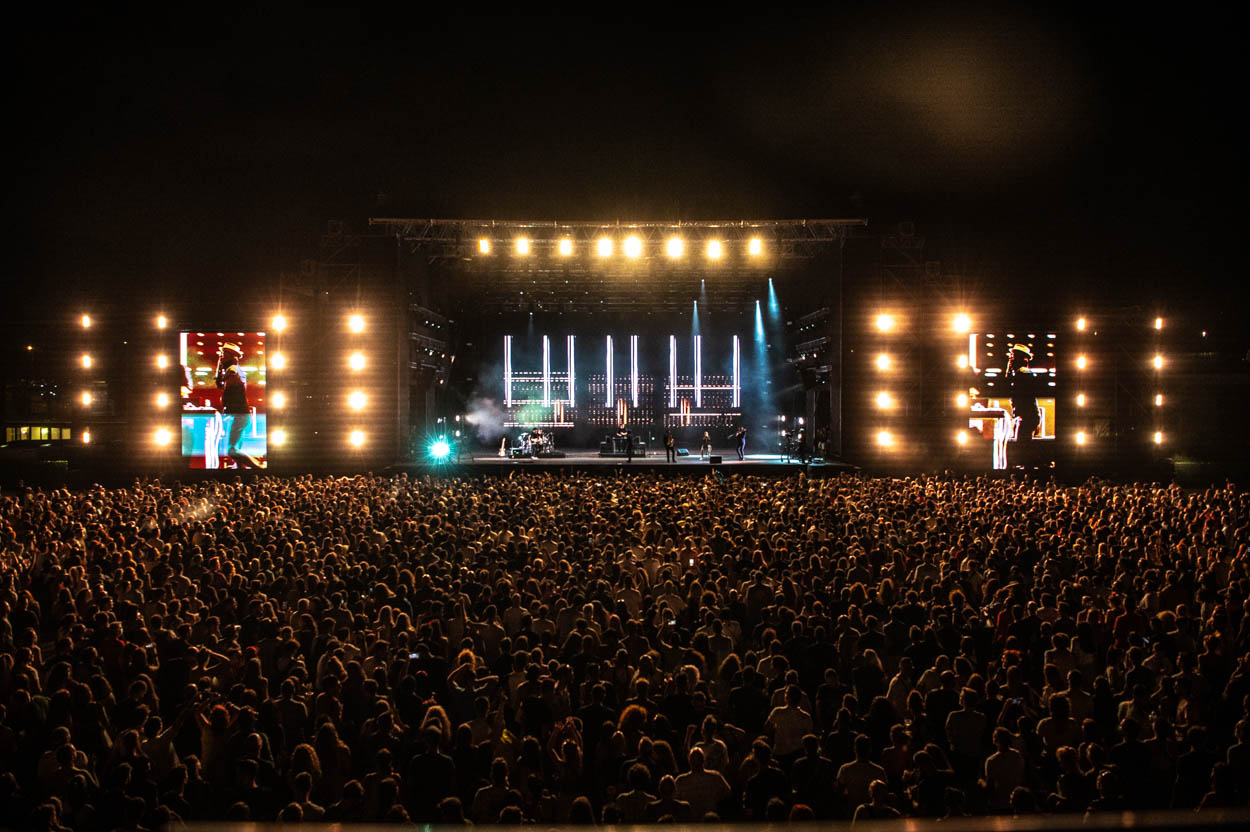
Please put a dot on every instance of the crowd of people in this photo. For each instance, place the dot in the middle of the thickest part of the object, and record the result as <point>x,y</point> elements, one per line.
<point>598,649</point>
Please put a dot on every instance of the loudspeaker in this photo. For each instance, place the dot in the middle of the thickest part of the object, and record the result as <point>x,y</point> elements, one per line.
<point>714,460</point>
<point>683,452</point>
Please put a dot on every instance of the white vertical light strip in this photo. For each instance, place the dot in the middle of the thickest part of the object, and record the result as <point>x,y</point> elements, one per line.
<point>633,369</point>
<point>972,352</point>
<point>571,375</point>
<point>737,368</point>
<point>608,399</point>
<point>672,371</point>
<point>507,371</point>
<point>546,371</point>
<point>698,371</point>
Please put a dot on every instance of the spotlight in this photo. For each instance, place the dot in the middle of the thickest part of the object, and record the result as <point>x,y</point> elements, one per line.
<point>439,450</point>
<point>483,246</point>
<point>357,438</point>
<point>715,249</point>
<point>279,322</point>
<point>604,247</point>
<point>755,246</point>
<point>962,400</point>
<point>161,322</point>
<point>884,439</point>
<point>522,246</point>
<point>962,323</point>
<point>162,400</point>
<point>962,437</point>
<point>1080,399</point>
<point>1158,323</point>
<point>1158,400</point>
<point>86,436</point>
<point>884,401</point>
<point>1080,437</point>
<point>86,321</point>
<point>356,323</point>
<point>883,362</point>
<point>963,361</point>
<point>86,400</point>
<point>86,361</point>
<point>566,247</point>
<point>277,361</point>
<point>675,247</point>
<point>356,361</point>
<point>31,347</point>
<point>278,400</point>
<point>1081,362</point>
<point>162,361</point>
<point>356,401</point>
<point>1080,324</point>
<point>885,322</point>
<point>1158,362</point>
<point>1158,437</point>
<point>162,437</point>
<point>277,437</point>
<point>633,246</point>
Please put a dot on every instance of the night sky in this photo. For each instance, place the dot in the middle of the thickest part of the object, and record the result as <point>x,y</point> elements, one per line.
<point>157,150</point>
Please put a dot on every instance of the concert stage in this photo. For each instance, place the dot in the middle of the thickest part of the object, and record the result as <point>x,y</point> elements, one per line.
<point>590,460</point>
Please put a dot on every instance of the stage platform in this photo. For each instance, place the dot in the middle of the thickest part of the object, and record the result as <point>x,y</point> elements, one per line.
<point>589,460</point>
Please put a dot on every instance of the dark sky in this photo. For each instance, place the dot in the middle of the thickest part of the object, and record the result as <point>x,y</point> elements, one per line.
<point>1081,145</point>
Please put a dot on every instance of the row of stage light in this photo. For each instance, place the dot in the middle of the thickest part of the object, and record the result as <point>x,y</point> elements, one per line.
<point>633,247</point>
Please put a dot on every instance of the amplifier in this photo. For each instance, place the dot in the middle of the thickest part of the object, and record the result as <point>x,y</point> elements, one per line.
<point>714,459</point>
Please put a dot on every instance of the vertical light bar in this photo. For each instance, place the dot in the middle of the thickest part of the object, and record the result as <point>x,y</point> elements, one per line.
<point>972,352</point>
<point>633,369</point>
<point>737,367</point>
<point>608,399</point>
<point>546,371</point>
<point>570,346</point>
<point>698,371</point>
<point>507,371</point>
<point>672,371</point>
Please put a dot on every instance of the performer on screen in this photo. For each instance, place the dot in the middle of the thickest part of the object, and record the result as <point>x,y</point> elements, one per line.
<point>1024,389</point>
<point>234,407</point>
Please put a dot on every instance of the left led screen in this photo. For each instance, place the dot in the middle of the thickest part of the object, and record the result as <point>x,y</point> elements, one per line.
<point>223,399</point>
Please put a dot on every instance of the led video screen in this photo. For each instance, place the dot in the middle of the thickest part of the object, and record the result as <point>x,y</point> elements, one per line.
<point>223,399</point>
<point>1012,398</point>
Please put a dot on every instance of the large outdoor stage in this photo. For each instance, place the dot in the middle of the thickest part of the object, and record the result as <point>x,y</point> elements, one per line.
<point>590,460</point>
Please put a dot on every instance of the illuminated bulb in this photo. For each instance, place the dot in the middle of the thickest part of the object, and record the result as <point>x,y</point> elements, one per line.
<point>483,246</point>
<point>883,362</point>
<point>86,361</point>
<point>1080,437</point>
<point>356,323</point>
<point>356,361</point>
<point>1158,362</point>
<point>1080,362</point>
<point>963,362</point>
<point>86,399</point>
<point>884,401</point>
<point>884,439</point>
<point>162,361</point>
<point>1158,400</point>
<point>675,247</point>
<point>962,323</point>
<point>961,400</point>
<point>277,437</point>
<point>755,246</point>
<point>715,249</point>
<point>633,246</point>
<point>86,321</point>
<point>279,323</point>
<point>604,247</point>
<point>1158,437</point>
<point>161,322</point>
<point>86,437</point>
<point>962,437</point>
<point>885,322</point>
<point>1158,323</point>
<point>277,361</point>
<point>162,400</point>
<point>278,400</point>
<point>357,438</point>
<point>1080,324</point>
<point>522,246</point>
<point>356,401</point>
<point>1080,399</point>
<point>162,436</point>
<point>566,247</point>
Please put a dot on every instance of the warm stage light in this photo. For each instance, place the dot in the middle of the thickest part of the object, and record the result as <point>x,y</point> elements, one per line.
<point>1080,399</point>
<point>357,438</point>
<point>161,322</point>
<point>86,437</point>
<point>277,437</point>
<point>162,400</point>
<point>1158,323</point>
<point>483,246</point>
<point>566,247</point>
<point>962,437</point>
<point>1158,362</point>
<point>1080,324</point>
<point>675,247</point>
<point>1080,362</point>
<point>962,400</point>
<point>162,437</point>
<point>356,401</point>
<point>1080,437</point>
<point>883,362</point>
<point>356,323</point>
<point>884,439</point>
<point>356,361</point>
<point>86,399</point>
<point>440,450</point>
<point>162,361</point>
<point>278,400</point>
<point>279,322</point>
<point>715,249</point>
<point>755,246</point>
<point>86,321</point>
<point>962,323</point>
<point>1158,400</point>
<point>963,361</point>
<point>277,361</point>
<point>885,322</point>
<point>522,246</point>
<point>86,361</point>
<point>633,246</point>
<point>884,401</point>
<point>1158,437</point>
<point>604,247</point>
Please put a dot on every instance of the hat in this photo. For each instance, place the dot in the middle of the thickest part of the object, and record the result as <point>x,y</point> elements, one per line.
<point>226,345</point>
<point>1023,348</point>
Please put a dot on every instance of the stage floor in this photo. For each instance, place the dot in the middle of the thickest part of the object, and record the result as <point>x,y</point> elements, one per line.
<point>588,459</point>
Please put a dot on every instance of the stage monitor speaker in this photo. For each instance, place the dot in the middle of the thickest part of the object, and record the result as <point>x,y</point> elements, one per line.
<point>714,459</point>
<point>683,452</point>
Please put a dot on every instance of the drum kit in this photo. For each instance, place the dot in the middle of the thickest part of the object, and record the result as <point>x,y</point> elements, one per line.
<point>534,444</point>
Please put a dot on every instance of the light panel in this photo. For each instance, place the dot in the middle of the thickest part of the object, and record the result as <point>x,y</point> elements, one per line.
<point>278,400</point>
<point>86,361</point>
<point>633,246</point>
<point>885,322</point>
<point>356,438</point>
<point>161,322</point>
<point>1158,400</point>
<point>675,247</point>
<point>883,362</point>
<point>1158,437</point>
<point>277,361</point>
<point>522,246</point>
<point>884,438</point>
<point>755,247</point>
<point>162,400</point>
<point>356,400</point>
<point>277,437</point>
<point>962,323</point>
<point>162,437</point>
<point>604,247</point>
<point>1080,324</point>
<point>162,361</point>
<point>356,323</point>
<point>715,249</point>
<point>279,322</point>
<point>356,361</point>
<point>884,400</point>
<point>1081,362</point>
<point>86,399</point>
<point>1080,399</point>
<point>565,247</point>
<point>85,320</point>
<point>1158,362</point>
<point>483,246</point>
<point>962,437</point>
<point>1080,437</point>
